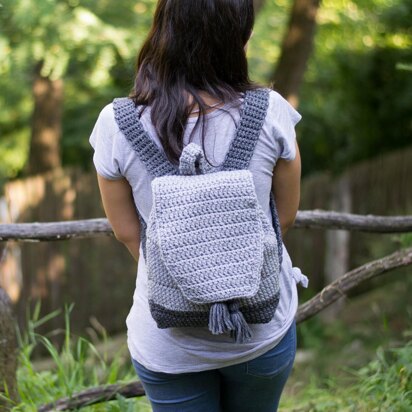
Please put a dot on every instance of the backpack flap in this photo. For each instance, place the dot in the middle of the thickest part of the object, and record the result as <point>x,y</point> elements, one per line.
<point>209,233</point>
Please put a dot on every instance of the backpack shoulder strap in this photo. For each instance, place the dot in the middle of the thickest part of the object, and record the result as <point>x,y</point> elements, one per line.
<point>155,160</point>
<point>252,117</point>
<point>240,150</point>
<point>243,144</point>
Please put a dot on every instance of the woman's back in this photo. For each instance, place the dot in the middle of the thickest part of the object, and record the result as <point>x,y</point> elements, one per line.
<point>194,349</point>
<point>195,56</point>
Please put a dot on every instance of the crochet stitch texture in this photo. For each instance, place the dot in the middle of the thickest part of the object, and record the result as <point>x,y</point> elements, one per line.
<point>213,257</point>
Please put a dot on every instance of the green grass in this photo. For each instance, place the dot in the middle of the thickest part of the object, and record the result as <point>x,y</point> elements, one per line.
<point>361,362</point>
<point>78,365</point>
<point>384,384</point>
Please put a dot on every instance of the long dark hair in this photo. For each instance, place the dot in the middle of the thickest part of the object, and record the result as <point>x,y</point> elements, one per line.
<point>192,46</point>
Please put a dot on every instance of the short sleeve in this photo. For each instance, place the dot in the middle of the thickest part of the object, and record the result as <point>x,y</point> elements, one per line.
<point>106,157</point>
<point>284,118</point>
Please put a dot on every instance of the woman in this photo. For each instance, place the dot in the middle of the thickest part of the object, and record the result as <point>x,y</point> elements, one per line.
<point>191,80</point>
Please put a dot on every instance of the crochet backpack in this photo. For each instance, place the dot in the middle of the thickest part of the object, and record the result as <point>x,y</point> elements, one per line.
<point>212,255</point>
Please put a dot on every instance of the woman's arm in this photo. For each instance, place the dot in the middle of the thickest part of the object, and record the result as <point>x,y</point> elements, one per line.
<point>118,204</point>
<point>286,188</point>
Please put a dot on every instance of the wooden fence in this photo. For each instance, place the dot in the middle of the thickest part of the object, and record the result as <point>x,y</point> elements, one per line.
<point>100,227</point>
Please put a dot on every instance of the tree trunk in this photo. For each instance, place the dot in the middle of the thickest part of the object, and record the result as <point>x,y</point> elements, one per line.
<point>8,352</point>
<point>46,123</point>
<point>258,4</point>
<point>296,49</point>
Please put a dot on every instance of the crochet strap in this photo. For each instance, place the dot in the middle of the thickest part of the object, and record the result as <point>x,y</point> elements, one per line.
<point>240,150</point>
<point>251,121</point>
<point>276,225</point>
<point>155,160</point>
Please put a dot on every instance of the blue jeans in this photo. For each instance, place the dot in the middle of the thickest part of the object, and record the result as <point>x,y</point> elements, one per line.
<point>253,386</point>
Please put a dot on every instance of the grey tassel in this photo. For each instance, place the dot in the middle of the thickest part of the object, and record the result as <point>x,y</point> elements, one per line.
<point>241,331</point>
<point>220,319</point>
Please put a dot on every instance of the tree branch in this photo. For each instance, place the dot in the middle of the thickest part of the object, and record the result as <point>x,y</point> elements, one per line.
<point>316,219</point>
<point>344,284</point>
<point>95,395</point>
<point>55,230</point>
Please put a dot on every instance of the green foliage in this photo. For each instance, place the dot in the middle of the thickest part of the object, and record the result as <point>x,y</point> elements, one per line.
<point>264,48</point>
<point>355,99</point>
<point>87,43</point>
<point>384,384</point>
<point>77,365</point>
<point>362,360</point>
<point>405,240</point>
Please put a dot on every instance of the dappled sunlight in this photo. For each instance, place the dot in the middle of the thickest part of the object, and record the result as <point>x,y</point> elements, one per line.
<point>11,279</point>
<point>47,280</point>
<point>344,65</point>
<point>21,195</point>
<point>55,268</point>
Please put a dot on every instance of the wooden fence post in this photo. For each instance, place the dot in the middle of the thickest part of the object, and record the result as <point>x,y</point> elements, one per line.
<point>337,244</point>
<point>8,352</point>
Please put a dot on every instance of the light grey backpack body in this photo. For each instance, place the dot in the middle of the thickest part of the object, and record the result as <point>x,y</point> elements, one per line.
<point>212,255</point>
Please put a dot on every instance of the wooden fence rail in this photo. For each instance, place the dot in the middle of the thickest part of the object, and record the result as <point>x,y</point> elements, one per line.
<point>314,219</point>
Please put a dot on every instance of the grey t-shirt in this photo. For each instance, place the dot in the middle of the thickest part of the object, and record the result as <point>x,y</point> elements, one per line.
<point>179,350</point>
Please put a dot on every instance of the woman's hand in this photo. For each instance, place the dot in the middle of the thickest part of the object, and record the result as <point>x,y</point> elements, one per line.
<point>286,188</point>
<point>120,209</point>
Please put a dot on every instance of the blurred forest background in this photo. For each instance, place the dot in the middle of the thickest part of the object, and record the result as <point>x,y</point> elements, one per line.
<point>62,61</point>
<point>355,98</point>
